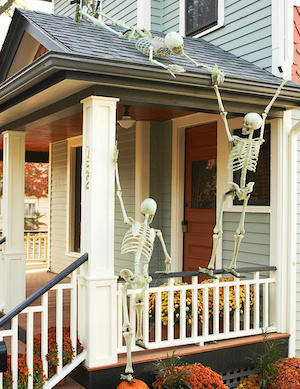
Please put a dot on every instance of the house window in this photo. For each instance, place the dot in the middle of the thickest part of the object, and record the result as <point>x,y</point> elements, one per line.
<point>30,208</point>
<point>261,191</point>
<point>74,218</point>
<point>203,16</point>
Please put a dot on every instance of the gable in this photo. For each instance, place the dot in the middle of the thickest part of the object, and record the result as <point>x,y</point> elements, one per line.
<point>24,43</point>
<point>28,51</point>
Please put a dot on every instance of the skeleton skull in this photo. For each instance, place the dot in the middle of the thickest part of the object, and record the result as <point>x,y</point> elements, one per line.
<point>252,121</point>
<point>148,207</point>
<point>174,43</point>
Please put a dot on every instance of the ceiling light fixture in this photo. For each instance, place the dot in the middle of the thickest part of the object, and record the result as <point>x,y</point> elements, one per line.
<point>126,121</point>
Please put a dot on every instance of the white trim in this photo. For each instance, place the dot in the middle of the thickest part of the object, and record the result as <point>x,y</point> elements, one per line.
<point>142,165</point>
<point>143,19</point>
<point>292,241</point>
<point>49,204</point>
<point>178,183</point>
<point>220,23</point>
<point>74,142</point>
<point>283,35</point>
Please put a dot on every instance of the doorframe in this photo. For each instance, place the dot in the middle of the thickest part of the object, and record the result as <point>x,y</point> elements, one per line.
<point>179,125</point>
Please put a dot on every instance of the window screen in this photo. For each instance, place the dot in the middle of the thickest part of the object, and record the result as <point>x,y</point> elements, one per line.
<point>261,191</point>
<point>200,15</point>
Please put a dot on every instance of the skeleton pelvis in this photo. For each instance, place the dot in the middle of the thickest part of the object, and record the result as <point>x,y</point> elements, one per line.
<point>241,193</point>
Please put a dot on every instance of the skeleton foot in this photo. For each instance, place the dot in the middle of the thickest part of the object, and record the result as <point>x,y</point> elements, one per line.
<point>232,271</point>
<point>140,343</point>
<point>126,377</point>
<point>208,272</point>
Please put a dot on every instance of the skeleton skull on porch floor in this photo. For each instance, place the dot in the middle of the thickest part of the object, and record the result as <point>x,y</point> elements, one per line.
<point>139,241</point>
<point>244,156</point>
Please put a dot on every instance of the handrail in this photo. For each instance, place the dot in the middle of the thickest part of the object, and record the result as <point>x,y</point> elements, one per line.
<point>3,240</point>
<point>215,271</point>
<point>55,280</point>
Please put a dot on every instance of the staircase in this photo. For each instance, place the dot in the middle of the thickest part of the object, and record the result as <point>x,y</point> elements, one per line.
<point>43,352</point>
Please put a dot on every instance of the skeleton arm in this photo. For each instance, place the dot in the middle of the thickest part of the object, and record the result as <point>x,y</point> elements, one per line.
<point>163,245</point>
<point>269,106</point>
<point>223,113</point>
<point>119,189</point>
<point>172,69</point>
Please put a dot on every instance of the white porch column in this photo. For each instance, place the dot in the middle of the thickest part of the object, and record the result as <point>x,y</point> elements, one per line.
<point>97,293</point>
<point>13,278</point>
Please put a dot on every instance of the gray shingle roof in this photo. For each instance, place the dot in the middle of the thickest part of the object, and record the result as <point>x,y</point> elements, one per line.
<point>86,39</point>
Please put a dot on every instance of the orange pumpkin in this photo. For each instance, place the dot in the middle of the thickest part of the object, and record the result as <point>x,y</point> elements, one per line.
<point>134,384</point>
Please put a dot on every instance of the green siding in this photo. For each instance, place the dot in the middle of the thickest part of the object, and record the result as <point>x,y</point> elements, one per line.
<point>125,11</point>
<point>247,31</point>
<point>165,15</point>
<point>255,247</point>
<point>126,144</point>
<point>160,185</point>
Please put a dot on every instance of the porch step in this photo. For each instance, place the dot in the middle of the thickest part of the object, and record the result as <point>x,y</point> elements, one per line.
<point>69,384</point>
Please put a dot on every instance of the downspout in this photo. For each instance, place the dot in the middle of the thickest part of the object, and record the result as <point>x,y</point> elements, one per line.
<point>292,233</point>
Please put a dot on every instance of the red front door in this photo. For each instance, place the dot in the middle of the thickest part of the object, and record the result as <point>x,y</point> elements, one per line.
<point>200,194</point>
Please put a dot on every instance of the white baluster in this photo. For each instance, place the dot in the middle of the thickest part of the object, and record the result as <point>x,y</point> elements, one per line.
<point>120,315</point>
<point>59,328</point>
<point>44,333</point>
<point>158,322</point>
<point>29,348</point>
<point>205,311</point>
<point>247,308</point>
<point>195,307</point>
<point>237,306</point>
<point>266,305</point>
<point>73,311</point>
<point>216,315</point>
<point>171,309</point>
<point>146,317</point>
<point>182,318</point>
<point>256,300</point>
<point>226,310</point>
<point>14,352</point>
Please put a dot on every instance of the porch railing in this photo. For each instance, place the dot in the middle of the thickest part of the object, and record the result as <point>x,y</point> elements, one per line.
<point>34,322</point>
<point>196,312</point>
<point>36,247</point>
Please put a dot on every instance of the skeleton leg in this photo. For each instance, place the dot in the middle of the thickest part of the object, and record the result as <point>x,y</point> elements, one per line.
<point>217,236</point>
<point>139,307</point>
<point>101,24</point>
<point>128,335</point>
<point>167,256</point>
<point>238,237</point>
<point>172,69</point>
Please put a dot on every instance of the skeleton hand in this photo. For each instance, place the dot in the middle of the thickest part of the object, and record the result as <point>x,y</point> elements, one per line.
<point>173,69</point>
<point>115,154</point>
<point>217,76</point>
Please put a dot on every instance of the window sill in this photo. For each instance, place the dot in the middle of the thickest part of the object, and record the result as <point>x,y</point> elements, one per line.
<point>211,29</point>
<point>250,209</point>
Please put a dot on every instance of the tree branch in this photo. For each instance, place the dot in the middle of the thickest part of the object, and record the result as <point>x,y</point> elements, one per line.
<point>6,6</point>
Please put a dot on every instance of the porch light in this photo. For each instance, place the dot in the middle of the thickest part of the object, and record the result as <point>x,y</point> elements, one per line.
<point>126,121</point>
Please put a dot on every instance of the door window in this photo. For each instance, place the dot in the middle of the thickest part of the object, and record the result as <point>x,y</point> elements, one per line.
<point>203,185</point>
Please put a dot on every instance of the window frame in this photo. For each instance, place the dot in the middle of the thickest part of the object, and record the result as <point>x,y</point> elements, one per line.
<point>183,16</point>
<point>73,143</point>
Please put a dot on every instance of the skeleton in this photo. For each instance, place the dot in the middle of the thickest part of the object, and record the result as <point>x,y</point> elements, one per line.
<point>152,47</point>
<point>244,156</point>
<point>139,241</point>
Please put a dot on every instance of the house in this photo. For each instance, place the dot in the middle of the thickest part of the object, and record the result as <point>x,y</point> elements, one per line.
<point>68,100</point>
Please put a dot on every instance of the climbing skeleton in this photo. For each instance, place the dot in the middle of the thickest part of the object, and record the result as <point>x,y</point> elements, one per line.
<point>244,156</point>
<point>153,47</point>
<point>139,241</point>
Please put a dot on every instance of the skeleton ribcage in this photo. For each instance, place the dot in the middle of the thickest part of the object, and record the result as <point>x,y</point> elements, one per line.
<point>139,239</point>
<point>240,155</point>
<point>159,49</point>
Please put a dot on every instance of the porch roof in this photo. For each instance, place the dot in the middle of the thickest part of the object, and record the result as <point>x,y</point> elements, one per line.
<point>84,60</point>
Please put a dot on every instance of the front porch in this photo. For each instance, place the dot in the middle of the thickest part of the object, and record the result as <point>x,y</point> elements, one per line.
<point>177,143</point>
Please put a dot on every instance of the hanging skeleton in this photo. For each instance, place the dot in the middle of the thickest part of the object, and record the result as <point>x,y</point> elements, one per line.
<point>244,156</point>
<point>152,47</point>
<point>138,241</point>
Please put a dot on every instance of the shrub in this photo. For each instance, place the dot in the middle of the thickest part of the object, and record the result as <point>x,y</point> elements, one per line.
<point>188,303</point>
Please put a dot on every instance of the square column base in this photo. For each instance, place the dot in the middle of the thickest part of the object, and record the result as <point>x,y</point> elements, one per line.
<point>97,320</point>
